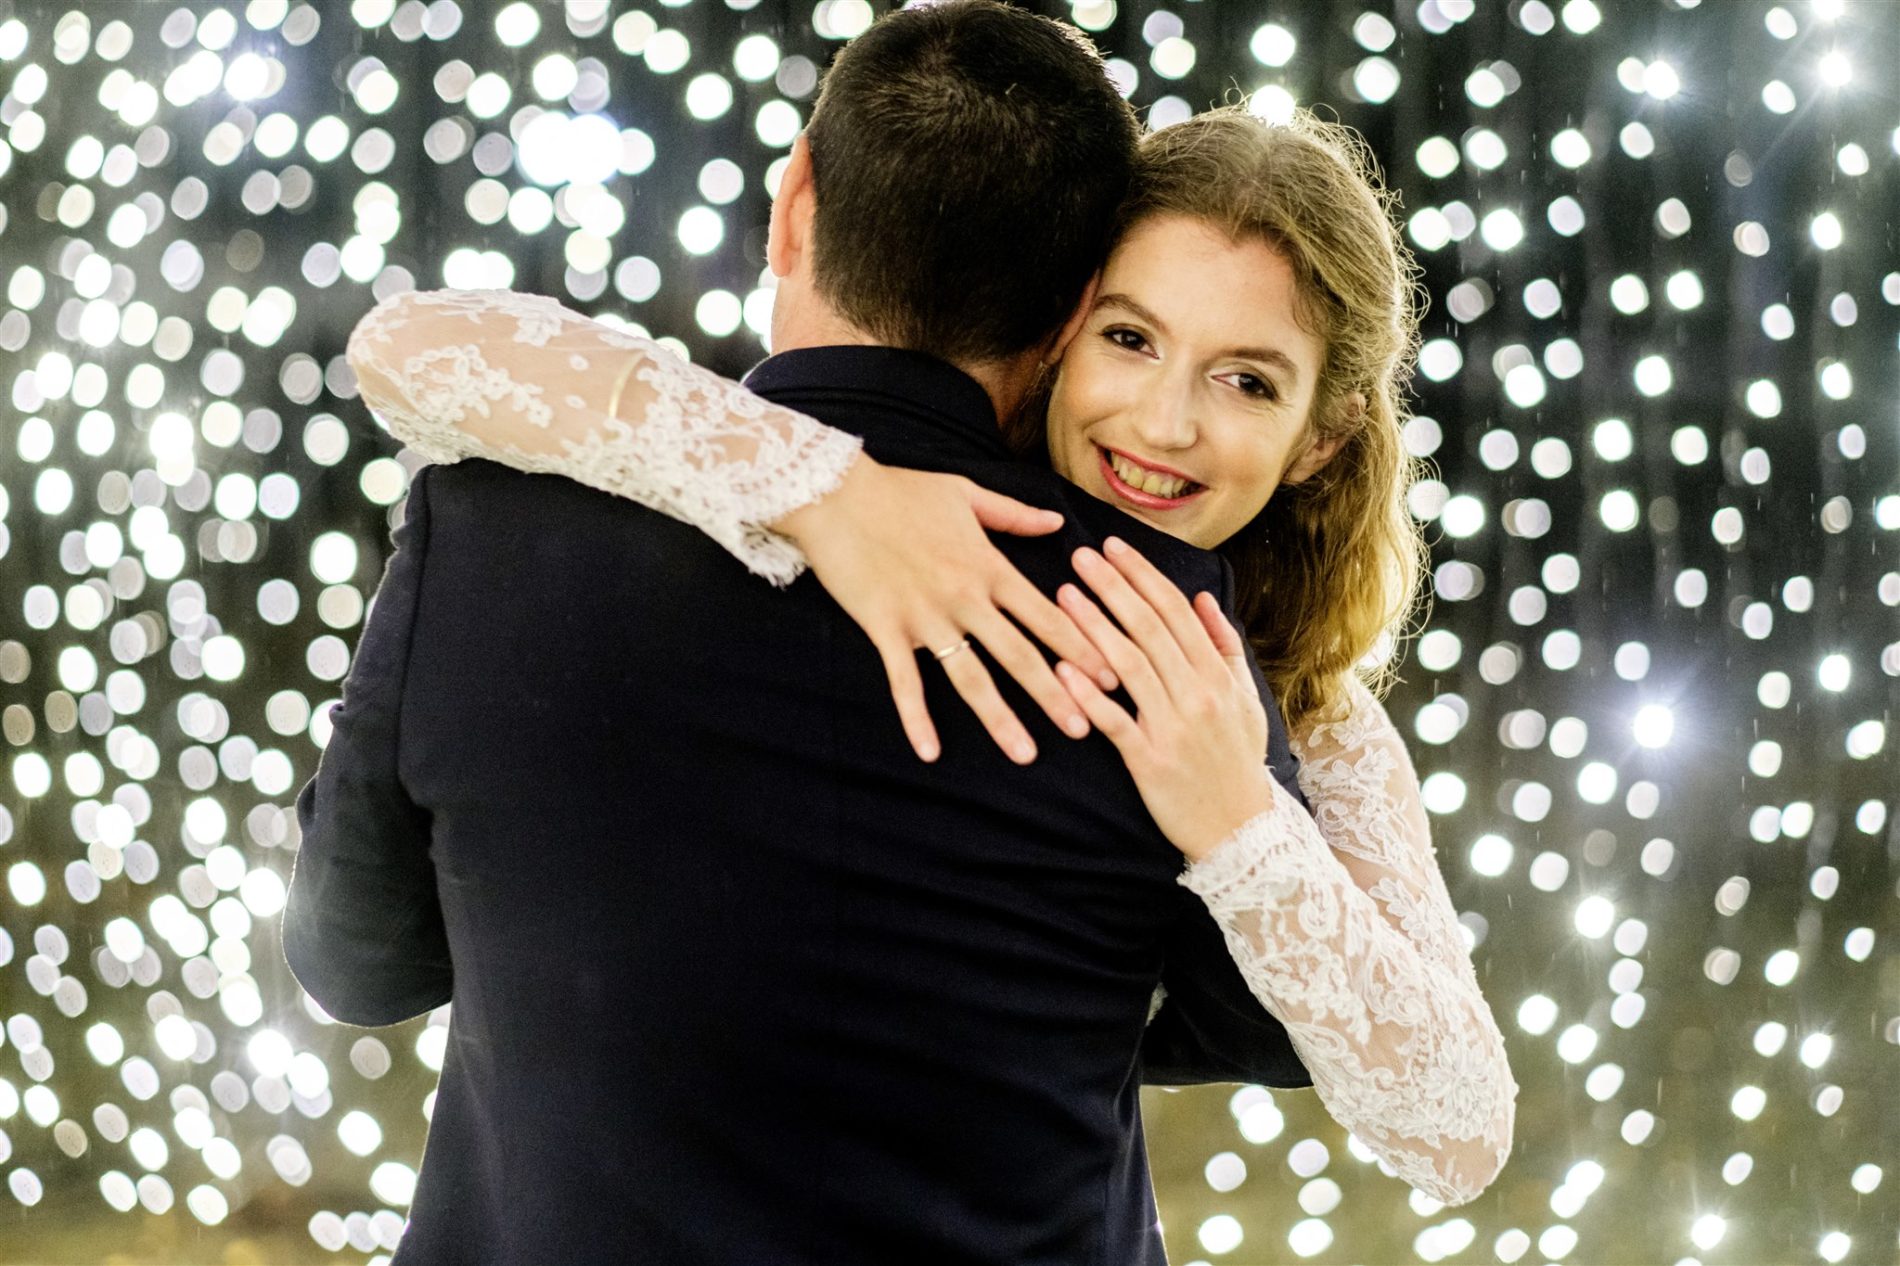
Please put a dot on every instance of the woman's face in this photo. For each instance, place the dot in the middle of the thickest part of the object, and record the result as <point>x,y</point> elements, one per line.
<point>1189,367</point>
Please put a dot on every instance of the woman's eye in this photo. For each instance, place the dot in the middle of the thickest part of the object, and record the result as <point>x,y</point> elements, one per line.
<point>1125,338</point>
<point>1254,385</point>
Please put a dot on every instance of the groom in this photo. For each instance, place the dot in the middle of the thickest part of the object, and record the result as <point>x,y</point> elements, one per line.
<point>736,978</point>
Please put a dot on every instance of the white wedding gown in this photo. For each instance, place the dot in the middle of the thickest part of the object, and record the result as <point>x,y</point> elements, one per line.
<point>1340,921</point>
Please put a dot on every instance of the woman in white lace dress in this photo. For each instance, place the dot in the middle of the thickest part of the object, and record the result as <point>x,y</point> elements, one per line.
<point>1250,333</point>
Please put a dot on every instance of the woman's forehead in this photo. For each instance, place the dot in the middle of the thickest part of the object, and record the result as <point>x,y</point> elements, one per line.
<point>1199,282</point>
<point>1166,245</point>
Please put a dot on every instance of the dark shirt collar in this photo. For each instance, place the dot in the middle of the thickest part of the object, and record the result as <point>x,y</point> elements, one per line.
<point>953,405</point>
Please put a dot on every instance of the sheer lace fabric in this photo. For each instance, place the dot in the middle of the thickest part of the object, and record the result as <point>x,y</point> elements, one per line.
<point>1382,1005</point>
<point>522,380</point>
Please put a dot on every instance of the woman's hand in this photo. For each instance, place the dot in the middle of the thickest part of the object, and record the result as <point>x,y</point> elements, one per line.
<point>1197,746</point>
<point>904,553</point>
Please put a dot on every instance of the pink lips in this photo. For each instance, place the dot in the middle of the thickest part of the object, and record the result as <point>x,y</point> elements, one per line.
<point>1146,500</point>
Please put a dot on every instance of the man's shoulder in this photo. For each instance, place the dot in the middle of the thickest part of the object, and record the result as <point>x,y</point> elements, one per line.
<point>470,473</point>
<point>489,519</point>
<point>478,482</point>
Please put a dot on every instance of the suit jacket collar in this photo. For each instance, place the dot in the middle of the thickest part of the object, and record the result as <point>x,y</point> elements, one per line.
<point>929,401</point>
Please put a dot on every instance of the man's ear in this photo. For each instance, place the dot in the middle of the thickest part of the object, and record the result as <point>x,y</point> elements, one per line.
<point>1073,326</point>
<point>788,240</point>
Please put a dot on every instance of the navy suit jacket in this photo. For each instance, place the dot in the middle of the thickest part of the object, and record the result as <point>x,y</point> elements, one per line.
<point>737,979</point>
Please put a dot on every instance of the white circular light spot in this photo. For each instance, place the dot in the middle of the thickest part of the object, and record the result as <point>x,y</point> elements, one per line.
<point>719,312</point>
<point>1501,229</point>
<point>1437,157</point>
<point>1825,229</point>
<point>708,96</point>
<point>1570,148</point>
<point>1524,386</point>
<point>701,230</point>
<point>1652,376</point>
<point>1273,44</point>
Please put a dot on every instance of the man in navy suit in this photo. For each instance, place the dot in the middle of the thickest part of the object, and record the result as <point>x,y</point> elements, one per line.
<point>736,978</point>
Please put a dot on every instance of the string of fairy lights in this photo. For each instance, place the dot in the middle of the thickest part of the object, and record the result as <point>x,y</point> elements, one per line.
<point>1651,709</point>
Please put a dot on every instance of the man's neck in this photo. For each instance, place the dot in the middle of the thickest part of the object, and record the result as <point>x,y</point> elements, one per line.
<point>1005,386</point>
<point>817,325</point>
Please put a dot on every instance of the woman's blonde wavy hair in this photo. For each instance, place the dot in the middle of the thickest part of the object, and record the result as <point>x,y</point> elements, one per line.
<point>1329,571</point>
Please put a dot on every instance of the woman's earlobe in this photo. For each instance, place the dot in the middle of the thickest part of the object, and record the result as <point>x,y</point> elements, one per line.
<point>1310,462</point>
<point>1323,448</point>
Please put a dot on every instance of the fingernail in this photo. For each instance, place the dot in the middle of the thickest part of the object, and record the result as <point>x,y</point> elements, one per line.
<point>1087,557</point>
<point>1025,751</point>
<point>1115,545</point>
<point>1107,679</point>
<point>929,751</point>
<point>1076,725</point>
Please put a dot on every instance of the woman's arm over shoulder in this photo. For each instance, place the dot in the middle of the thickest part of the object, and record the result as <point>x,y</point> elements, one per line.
<point>520,379</point>
<point>1345,931</point>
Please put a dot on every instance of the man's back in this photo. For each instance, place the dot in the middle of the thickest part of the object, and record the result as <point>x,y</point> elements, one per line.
<point>736,978</point>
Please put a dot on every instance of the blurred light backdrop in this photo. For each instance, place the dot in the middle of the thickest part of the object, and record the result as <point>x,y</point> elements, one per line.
<point>1651,709</point>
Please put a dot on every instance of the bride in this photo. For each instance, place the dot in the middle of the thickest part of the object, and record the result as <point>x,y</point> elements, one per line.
<point>1232,378</point>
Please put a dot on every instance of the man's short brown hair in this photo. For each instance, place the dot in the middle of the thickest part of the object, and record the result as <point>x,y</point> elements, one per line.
<point>967,161</point>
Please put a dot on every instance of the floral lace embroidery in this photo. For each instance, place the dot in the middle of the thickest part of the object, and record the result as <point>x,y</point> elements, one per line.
<point>466,373</point>
<point>1383,1008</point>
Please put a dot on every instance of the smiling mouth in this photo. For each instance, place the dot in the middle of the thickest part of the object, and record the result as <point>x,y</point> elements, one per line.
<point>1141,486</point>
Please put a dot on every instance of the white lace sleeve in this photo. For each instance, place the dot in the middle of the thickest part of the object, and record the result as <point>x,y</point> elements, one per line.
<point>1383,1007</point>
<point>522,380</point>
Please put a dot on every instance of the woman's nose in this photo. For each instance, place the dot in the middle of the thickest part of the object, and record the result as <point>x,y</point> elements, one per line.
<point>1167,417</point>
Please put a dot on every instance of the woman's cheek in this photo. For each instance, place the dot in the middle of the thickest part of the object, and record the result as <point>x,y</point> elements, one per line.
<point>1258,469</point>
<point>1065,423</point>
<point>1102,386</point>
<point>1074,405</point>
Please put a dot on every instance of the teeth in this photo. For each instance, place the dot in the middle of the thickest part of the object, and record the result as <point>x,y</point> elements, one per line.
<point>1147,480</point>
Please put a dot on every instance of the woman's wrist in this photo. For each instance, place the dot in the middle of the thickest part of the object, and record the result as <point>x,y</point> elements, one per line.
<point>1252,799</point>
<point>799,523</point>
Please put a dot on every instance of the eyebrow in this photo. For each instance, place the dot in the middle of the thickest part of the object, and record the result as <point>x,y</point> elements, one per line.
<point>1270,355</point>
